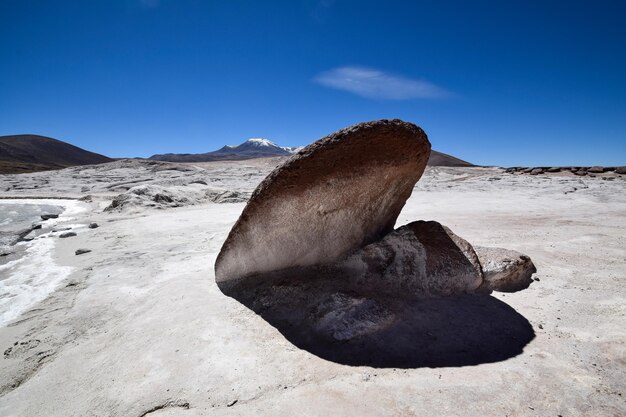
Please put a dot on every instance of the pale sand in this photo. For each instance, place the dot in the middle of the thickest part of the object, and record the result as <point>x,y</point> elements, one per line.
<point>140,328</point>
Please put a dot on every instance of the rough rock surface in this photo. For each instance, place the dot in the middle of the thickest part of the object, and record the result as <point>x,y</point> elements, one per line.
<point>505,270</point>
<point>157,196</point>
<point>336,195</point>
<point>416,260</point>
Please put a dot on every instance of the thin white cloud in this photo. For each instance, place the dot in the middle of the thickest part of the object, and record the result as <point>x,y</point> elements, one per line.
<point>373,83</point>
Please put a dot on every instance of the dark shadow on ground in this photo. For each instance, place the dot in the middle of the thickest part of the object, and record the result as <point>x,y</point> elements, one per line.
<point>433,332</point>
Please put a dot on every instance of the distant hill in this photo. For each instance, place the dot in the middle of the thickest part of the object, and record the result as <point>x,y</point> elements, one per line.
<point>30,153</point>
<point>262,148</point>
<point>438,159</point>
<point>252,148</point>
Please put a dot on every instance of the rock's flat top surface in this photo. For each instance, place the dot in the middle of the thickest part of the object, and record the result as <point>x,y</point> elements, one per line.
<point>335,195</point>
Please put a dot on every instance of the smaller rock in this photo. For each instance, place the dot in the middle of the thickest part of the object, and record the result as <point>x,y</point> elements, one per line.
<point>93,225</point>
<point>36,227</point>
<point>422,258</point>
<point>67,234</point>
<point>596,170</point>
<point>527,170</point>
<point>82,251</point>
<point>49,216</point>
<point>621,170</point>
<point>554,169</point>
<point>536,171</point>
<point>505,270</point>
<point>580,173</point>
<point>5,254</point>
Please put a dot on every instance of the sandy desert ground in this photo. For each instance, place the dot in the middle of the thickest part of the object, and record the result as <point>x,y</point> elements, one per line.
<point>139,327</point>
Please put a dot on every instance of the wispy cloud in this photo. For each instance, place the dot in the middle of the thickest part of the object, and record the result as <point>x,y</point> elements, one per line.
<point>377,84</point>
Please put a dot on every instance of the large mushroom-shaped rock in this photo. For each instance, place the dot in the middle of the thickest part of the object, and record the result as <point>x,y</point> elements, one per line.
<point>315,254</point>
<point>336,195</point>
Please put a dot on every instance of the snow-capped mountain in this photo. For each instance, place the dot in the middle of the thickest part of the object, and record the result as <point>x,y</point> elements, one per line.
<point>252,148</point>
<point>260,145</point>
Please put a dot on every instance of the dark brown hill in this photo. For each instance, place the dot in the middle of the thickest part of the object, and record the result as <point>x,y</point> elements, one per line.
<point>438,159</point>
<point>30,153</point>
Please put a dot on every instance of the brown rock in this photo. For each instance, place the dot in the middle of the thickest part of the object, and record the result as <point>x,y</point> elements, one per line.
<point>536,171</point>
<point>554,169</point>
<point>416,260</point>
<point>620,170</point>
<point>336,195</point>
<point>596,170</point>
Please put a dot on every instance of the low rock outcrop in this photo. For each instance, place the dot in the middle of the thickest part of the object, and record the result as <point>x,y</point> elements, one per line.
<point>580,171</point>
<point>159,197</point>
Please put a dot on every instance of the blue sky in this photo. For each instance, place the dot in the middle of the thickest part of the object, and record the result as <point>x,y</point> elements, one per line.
<point>492,82</point>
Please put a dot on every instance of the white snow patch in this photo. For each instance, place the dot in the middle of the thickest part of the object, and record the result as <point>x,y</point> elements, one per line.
<point>261,142</point>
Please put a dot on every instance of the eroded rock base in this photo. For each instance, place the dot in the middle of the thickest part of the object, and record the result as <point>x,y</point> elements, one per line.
<point>383,331</point>
<point>417,297</point>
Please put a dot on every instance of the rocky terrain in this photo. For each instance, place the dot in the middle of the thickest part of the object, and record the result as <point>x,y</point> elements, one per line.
<point>606,172</point>
<point>139,327</point>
